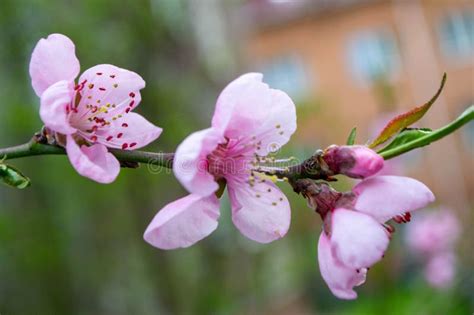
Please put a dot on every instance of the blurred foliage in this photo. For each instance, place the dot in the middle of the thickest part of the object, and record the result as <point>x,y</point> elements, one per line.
<point>71,246</point>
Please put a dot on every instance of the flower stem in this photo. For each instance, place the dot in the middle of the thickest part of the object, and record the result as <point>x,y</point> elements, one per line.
<point>463,119</point>
<point>310,168</point>
<point>35,148</point>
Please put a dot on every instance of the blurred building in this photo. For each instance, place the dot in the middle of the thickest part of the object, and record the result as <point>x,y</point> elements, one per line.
<point>351,63</point>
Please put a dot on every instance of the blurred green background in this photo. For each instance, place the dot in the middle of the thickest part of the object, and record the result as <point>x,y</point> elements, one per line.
<point>71,246</point>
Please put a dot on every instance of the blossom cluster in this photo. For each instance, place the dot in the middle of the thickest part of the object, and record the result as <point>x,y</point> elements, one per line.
<point>250,122</point>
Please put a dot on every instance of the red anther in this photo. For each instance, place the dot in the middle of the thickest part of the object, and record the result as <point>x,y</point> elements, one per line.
<point>112,76</point>
<point>133,144</point>
<point>407,217</point>
<point>102,89</point>
<point>120,135</point>
<point>390,229</point>
<point>125,125</point>
<point>94,138</point>
<point>127,110</point>
<point>99,73</point>
<point>399,219</point>
<point>131,94</point>
<point>131,103</point>
<point>109,138</point>
<point>402,218</point>
<point>124,146</point>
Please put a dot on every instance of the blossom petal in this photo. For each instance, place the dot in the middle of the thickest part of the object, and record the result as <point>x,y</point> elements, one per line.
<point>248,108</point>
<point>383,197</point>
<point>131,132</point>
<point>260,211</point>
<point>183,222</point>
<point>94,162</point>
<point>276,130</point>
<point>109,92</point>
<point>357,240</point>
<point>53,59</point>
<point>190,162</point>
<point>54,103</point>
<point>235,102</point>
<point>340,279</point>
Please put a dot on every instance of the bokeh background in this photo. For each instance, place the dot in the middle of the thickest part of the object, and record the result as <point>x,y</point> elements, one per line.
<point>71,246</point>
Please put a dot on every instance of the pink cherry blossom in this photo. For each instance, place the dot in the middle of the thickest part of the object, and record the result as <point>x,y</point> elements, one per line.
<point>354,237</point>
<point>251,120</point>
<point>432,236</point>
<point>356,161</point>
<point>93,115</point>
<point>433,231</point>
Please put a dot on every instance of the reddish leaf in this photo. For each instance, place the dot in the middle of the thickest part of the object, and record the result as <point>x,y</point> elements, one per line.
<point>406,119</point>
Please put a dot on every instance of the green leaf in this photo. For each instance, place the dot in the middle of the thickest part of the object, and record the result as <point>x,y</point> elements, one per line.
<point>352,136</point>
<point>13,177</point>
<point>407,135</point>
<point>406,119</point>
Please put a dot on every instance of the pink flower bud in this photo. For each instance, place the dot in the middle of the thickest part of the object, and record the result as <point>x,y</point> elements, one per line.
<point>356,161</point>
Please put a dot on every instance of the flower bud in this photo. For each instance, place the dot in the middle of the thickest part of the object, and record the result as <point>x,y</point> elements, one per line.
<point>356,161</point>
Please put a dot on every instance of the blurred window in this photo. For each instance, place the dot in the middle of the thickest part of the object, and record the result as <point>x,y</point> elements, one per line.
<point>457,34</point>
<point>288,74</point>
<point>373,55</point>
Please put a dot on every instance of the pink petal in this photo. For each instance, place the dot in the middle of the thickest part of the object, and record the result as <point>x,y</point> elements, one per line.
<point>54,103</point>
<point>278,127</point>
<point>94,162</point>
<point>248,108</point>
<point>237,96</point>
<point>261,212</point>
<point>190,162</point>
<point>183,222</point>
<point>367,162</point>
<point>357,240</point>
<point>53,60</point>
<point>383,197</point>
<point>340,279</point>
<point>130,132</point>
<point>113,90</point>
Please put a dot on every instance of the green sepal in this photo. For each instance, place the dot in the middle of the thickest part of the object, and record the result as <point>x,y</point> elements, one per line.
<point>352,136</point>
